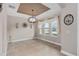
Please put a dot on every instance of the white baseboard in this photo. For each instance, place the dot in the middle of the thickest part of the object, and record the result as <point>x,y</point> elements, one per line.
<point>66,53</point>
<point>51,42</point>
<point>20,40</point>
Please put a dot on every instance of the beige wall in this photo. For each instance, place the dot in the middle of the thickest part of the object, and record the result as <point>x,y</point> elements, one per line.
<point>69,33</point>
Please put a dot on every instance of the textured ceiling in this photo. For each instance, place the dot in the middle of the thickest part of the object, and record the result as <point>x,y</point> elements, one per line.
<point>38,8</point>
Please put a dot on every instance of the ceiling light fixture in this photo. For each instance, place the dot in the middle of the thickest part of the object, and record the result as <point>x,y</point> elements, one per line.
<point>32,19</point>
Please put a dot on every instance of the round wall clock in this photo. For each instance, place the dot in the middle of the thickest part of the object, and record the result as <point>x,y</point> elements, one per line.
<point>68,19</point>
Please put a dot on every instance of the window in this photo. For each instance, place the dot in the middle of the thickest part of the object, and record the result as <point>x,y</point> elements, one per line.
<point>40,28</point>
<point>49,27</point>
<point>54,26</point>
<point>46,28</point>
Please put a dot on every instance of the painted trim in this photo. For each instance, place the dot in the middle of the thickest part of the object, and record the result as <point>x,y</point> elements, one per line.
<point>51,42</point>
<point>66,53</point>
<point>19,40</point>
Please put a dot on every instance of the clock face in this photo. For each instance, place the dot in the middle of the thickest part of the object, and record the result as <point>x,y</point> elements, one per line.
<point>68,19</point>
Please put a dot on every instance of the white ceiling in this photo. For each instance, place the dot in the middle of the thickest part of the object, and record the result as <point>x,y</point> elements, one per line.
<point>54,10</point>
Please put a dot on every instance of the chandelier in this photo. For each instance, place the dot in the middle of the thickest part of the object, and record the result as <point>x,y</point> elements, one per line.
<point>32,19</point>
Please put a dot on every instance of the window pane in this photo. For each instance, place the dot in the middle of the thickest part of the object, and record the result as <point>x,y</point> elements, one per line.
<point>40,31</point>
<point>54,26</point>
<point>46,31</point>
<point>40,27</point>
<point>45,25</point>
<point>46,28</point>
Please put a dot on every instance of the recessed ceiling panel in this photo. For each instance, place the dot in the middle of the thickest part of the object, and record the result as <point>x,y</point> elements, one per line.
<point>26,8</point>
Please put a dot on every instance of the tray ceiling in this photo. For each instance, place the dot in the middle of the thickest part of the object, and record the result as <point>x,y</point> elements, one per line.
<point>26,8</point>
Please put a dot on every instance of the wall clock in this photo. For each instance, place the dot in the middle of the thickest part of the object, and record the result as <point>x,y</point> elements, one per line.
<point>68,19</point>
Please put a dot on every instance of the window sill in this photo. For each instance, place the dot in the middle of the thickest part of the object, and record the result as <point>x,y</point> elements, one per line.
<point>50,35</point>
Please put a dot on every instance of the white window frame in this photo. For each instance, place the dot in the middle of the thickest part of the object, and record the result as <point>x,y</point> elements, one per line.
<point>40,27</point>
<point>46,28</point>
<point>50,30</point>
<point>57,30</point>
